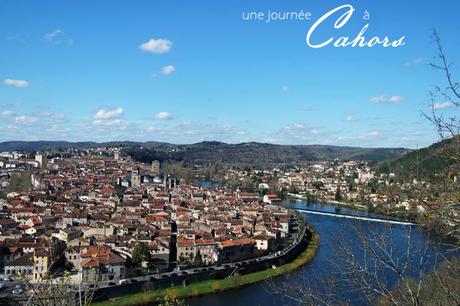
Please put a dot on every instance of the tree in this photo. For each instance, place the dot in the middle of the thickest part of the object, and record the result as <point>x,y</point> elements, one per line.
<point>293,189</point>
<point>447,127</point>
<point>365,265</point>
<point>56,292</point>
<point>171,299</point>
<point>140,254</point>
<point>197,261</point>
<point>372,185</point>
<point>318,184</point>
<point>338,195</point>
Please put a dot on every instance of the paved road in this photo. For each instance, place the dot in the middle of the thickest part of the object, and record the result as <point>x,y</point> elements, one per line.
<point>6,292</point>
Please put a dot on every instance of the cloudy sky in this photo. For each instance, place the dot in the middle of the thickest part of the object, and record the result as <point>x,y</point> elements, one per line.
<point>183,72</point>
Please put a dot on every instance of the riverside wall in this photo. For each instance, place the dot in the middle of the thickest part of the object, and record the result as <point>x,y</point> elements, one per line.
<point>151,282</point>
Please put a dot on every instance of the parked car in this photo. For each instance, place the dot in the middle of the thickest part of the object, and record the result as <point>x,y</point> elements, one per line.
<point>123,281</point>
<point>17,289</point>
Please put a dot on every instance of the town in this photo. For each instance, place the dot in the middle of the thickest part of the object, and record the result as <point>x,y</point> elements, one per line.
<point>104,219</point>
<point>348,183</point>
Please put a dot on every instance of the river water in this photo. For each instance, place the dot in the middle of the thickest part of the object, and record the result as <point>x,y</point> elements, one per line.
<point>335,233</point>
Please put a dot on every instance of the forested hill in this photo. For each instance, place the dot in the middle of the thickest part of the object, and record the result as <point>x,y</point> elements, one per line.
<point>431,164</point>
<point>212,151</point>
<point>259,153</point>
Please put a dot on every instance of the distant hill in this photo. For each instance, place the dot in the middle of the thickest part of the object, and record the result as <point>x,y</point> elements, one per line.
<point>213,151</point>
<point>31,146</point>
<point>258,153</point>
<point>432,163</point>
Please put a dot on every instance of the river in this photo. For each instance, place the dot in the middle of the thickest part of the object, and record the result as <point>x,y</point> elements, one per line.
<point>333,232</point>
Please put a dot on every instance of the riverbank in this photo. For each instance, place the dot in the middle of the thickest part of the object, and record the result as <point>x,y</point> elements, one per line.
<point>357,205</point>
<point>216,285</point>
<point>401,214</point>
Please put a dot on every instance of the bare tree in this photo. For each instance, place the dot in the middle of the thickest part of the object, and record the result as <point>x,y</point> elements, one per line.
<point>376,258</point>
<point>57,291</point>
<point>300,290</point>
<point>379,265</point>
<point>448,127</point>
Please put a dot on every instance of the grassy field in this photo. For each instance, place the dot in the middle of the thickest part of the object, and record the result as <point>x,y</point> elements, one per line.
<point>213,286</point>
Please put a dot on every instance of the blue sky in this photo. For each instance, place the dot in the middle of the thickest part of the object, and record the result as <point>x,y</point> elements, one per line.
<point>183,72</point>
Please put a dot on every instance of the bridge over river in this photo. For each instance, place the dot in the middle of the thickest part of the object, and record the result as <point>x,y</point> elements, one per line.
<point>364,218</point>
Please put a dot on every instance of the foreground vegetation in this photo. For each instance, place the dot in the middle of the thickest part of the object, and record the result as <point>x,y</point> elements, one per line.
<point>441,287</point>
<point>214,286</point>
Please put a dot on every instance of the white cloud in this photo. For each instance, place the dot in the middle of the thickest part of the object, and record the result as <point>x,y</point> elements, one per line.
<point>373,134</point>
<point>396,99</point>
<point>167,70</point>
<point>104,114</point>
<point>156,45</point>
<point>414,62</point>
<point>109,118</point>
<point>284,88</point>
<point>51,36</point>
<point>7,113</point>
<point>305,109</point>
<point>163,116</point>
<point>48,114</point>
<point>152,129</point>
<point>443,105</point>
<point>389,100</point>
<point>16,83</point>
<point>380,99</point>
<point>25,119</point>
<point>352,139</point>
<point>349,118</point>
<point>296,133</point>
<point>57,37</point>
<point>114,122</point>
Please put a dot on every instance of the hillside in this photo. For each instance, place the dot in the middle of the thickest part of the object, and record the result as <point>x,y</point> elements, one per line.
<point>260,153</point>
<point>213,151</point>
<point>31,146</point>
<point>432,163</point>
